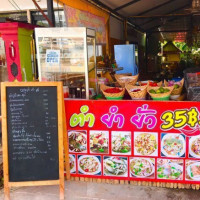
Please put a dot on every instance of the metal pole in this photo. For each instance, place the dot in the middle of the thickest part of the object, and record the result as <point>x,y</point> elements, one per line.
<point>146,52</point>
<point>50,11</point>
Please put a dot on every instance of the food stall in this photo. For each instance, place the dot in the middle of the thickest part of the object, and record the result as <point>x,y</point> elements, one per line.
<point>150,139</point>
<point>136,130</point>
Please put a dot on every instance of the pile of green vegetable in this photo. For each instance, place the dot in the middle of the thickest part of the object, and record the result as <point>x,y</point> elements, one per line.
<point>160,90</point>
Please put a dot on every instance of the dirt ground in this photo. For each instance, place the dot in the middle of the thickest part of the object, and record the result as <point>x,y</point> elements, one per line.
<point>75,190</point>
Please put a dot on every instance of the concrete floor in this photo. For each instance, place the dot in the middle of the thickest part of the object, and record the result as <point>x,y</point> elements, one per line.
<point>101,191</point>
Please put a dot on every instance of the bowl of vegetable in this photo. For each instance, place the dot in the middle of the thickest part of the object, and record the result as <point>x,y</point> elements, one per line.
<point>160,93</point>
<point>112,93</point>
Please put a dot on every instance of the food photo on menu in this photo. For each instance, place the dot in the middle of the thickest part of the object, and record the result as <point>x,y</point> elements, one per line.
<point>146,143</point>
<point>171,169</point>
<point>77,141</point>
<point>172,145</point>
<point>192,170</point>
<point>115,166</point>
<point>89,165</point>
<point>142,167</point>
<point>121,142</point>
<point>72,163</point>
<point>194,146</point>
<point>99,141</point>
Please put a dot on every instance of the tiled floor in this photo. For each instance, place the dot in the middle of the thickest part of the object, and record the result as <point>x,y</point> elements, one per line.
<point>101,191</point>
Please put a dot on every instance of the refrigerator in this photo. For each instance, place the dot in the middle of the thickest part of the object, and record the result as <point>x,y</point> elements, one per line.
<point>125,56</point>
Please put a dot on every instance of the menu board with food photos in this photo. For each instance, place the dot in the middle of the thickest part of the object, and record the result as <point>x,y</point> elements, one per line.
<point>134,140</point>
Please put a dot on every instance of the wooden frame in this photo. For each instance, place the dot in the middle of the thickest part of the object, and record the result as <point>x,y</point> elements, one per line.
<point>65,144</point>
<point>61,125</point>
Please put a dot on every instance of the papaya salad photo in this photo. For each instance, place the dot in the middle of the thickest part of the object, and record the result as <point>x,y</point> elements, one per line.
<point>77,141</point>
<point>89,165</point>
<point>142,167</point>
<point>146,144</point>
<point>121,142</point>
<point>192,170</point>
<point>99,141</point>
<point>173,145</point>
<point>194,146</point>
<point>170,169</point>
<point>115,166</point>
<point>72,163</point>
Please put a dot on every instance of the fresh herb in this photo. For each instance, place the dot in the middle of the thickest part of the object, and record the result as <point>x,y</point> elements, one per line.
<point>124,150</point>
<point>160,169</point>
<point>161,176</point>
<point>101,150</point>
<point>173,167</point>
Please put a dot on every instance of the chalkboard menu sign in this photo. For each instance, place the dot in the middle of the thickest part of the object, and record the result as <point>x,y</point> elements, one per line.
<point>32,131</point>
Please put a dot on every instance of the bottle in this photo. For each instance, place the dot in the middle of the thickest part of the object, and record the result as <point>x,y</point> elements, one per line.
<point>78,92</point>
<point>83,93</point>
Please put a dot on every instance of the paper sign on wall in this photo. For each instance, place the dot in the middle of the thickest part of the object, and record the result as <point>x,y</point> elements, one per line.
<point>52,57</point>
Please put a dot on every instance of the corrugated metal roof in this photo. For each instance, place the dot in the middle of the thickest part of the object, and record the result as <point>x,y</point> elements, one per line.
<point>153,15</point>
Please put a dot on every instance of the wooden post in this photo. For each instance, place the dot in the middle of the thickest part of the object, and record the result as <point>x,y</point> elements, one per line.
<point>5,143</point>
<point>28,12</point>
<point>66,145</point>
<point>60,143</point>
<point>125,30</point>
<point>108,37</point>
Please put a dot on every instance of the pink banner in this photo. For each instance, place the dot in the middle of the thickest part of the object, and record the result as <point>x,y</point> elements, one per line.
<point>78,18</point>
<point>134,140</point>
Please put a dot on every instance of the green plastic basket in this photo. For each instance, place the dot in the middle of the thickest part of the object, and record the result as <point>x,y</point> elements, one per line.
<point>161,98</point>
<point>114,98</point>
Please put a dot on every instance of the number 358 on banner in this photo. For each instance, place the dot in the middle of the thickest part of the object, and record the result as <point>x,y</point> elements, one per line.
<point>180,118</point>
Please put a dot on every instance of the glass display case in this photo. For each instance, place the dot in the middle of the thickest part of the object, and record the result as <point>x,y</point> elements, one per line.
<point>68,55</point>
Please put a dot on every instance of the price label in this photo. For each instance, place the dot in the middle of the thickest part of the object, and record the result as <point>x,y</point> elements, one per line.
<point>180,118</point>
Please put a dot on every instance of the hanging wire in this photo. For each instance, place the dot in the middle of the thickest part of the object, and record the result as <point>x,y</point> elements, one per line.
<point>13,5</point>
<point>16,5</point>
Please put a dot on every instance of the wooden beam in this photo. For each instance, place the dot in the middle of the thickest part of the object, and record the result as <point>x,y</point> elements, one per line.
<point>170,31</point>
<point>126,5</point>
<point>125,30</point>
<point>160,16</point>
<point>177,9</point>
<point>156,7</point>
<point>157,26</point>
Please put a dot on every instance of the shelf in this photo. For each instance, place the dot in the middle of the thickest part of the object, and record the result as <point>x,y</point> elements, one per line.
<point>109,69</point>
